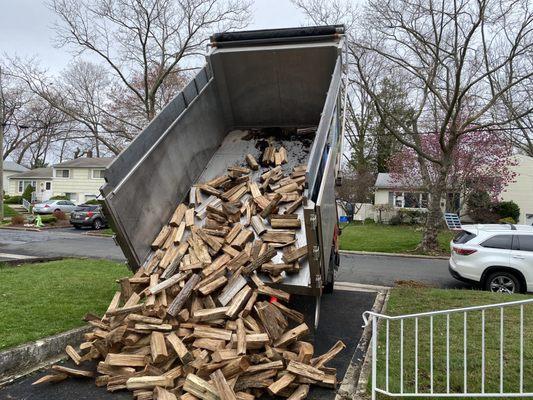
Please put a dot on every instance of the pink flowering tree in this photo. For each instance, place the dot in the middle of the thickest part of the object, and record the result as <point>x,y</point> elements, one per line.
<point>479,161</point>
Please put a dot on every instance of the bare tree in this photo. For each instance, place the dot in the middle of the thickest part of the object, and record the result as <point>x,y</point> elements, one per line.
<point>145,40</point>
<point>457,61</point>
<point>517,103</point>
<point>81,93</point>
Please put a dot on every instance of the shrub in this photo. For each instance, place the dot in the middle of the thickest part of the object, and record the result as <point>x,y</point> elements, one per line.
<point>17,220</point>
<point>59,197</point>
<point>507,209</point>
<point>27,192</point>
<point>48,219</point>
<point>480,208</point>
<point>395,220</point>
<point>94,201</point>
<point>506,220</point>
<point>412,217</point>
<point>13,200</point>
<point>60,215</point>
<point>369,221</point>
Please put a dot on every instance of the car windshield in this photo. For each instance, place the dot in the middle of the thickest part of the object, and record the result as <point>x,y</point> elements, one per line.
<point>48,202</point>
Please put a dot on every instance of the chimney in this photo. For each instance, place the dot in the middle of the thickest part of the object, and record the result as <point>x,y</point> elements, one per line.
<point>89,154</point>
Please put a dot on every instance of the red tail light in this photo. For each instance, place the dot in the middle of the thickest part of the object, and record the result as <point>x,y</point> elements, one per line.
<point>90,214</point>
<point>464,252</point>
<point>46,206</point>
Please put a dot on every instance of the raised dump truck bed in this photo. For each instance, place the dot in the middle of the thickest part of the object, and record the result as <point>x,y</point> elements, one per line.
<point>288,78</point>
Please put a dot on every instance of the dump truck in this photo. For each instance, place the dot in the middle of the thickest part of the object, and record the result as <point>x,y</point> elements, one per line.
<point>287,85</point>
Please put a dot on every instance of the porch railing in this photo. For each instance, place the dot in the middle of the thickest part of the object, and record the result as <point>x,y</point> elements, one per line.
<point>482,351</point>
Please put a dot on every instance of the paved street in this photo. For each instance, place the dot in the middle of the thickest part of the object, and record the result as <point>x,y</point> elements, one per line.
<point>58,243</point>
<point>355,268</point>
<point>386,270</point>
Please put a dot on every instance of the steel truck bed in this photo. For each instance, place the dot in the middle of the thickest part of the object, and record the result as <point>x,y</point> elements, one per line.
<point>289,78</point>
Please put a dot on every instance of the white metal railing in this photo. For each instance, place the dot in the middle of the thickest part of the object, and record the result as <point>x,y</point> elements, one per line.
<point>491,339</point>
<point>26,204</point>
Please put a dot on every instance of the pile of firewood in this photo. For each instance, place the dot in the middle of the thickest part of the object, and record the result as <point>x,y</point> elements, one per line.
<point>196,321</point>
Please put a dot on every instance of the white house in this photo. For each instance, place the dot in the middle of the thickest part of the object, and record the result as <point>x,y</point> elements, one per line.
<point>39,178</point>
<point>521,191</point>
<point>11,168</point>
<point>389,197</point>
<point>79,179</point>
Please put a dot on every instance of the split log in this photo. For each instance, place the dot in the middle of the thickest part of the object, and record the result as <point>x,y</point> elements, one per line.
<point>77,373</point>
<point>175,307</point>
<point>179,347</point>
<point>252,162</point>
<point>271,206</point>
<point>50,378</point>
<point>295,255</point>
<point>225,392</point>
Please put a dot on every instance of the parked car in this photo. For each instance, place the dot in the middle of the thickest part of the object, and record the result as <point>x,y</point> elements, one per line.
<point>497,257</point>
<point>49,206</point>
<point>88,215</point>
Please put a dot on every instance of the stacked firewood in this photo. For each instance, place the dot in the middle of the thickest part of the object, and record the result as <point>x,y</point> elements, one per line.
<point>197,321</point>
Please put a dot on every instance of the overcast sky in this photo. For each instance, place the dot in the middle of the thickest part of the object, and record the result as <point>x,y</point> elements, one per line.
<point>26,27</point>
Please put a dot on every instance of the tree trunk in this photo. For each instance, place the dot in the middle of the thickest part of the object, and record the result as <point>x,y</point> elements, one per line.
<point>430,242</point>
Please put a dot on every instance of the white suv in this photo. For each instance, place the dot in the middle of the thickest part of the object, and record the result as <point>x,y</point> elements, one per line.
<point>497,257</point>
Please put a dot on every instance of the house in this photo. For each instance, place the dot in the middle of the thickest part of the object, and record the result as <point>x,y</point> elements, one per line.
<point>79,179</point>
<point>11,168</point>
<point>390,196</point>
<point>39,178</point>
<point>521,190</point>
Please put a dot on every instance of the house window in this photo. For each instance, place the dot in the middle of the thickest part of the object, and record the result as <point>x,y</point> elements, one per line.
<point>63,173</point>
<point>98,174</point>
<point>410,200</point>
<point>48,185</point>
<point>24,184</point>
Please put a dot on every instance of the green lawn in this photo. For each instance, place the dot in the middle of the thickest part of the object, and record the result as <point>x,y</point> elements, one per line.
<point>38,300</point>
<point>412,300</point>
<point>9,212</point>
<point>387,238</point>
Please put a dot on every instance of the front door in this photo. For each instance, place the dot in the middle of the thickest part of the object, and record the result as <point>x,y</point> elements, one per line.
<point>44,191</point>
<point>47,191</point>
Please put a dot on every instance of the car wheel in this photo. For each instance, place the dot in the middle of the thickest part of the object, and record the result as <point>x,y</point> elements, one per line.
<point>502,282</point>
<point>97,224</point>
<point>57,210</point>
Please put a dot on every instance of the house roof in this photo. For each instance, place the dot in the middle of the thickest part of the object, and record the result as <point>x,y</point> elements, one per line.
<point>85,162</point>
<point>37,173</point>
<point>385,180</point>
<point>13,166</point>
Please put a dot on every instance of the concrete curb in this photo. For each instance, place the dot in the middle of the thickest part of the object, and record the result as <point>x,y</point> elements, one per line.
<point>98,235</point>
<point>354,383</point>
<point>18,261</point>
<point>14,228</point>
<point>376,253</point>
<point>24,359</point>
